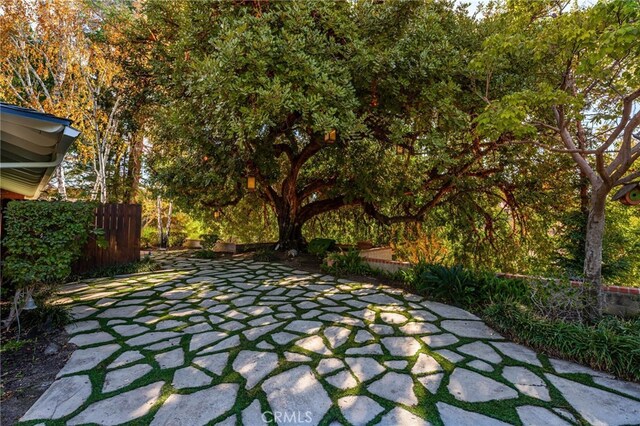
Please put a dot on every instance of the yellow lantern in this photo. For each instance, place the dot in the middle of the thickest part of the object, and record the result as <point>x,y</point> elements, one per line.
<point>251,183</point>
<point>216,214</point>
<point>330,137</point>
<point>399,149</point>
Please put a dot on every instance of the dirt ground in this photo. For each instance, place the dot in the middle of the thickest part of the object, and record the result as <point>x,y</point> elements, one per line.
<point>27,372</point>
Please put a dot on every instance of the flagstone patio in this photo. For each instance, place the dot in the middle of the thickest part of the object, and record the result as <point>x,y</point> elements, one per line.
<point>240,342</point>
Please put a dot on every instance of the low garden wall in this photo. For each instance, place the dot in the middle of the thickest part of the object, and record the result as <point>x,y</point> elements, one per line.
<point>620,301</point>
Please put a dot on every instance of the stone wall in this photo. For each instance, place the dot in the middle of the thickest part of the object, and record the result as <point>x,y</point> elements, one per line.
<point>386,265</point>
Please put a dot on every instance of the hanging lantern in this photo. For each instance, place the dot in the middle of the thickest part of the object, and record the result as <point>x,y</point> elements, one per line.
<point>251,183</point>
<point>29,304</point>
<point>217,214</point>
<point>330,137</point>
<point>400,150</point>
<point>632,198</point>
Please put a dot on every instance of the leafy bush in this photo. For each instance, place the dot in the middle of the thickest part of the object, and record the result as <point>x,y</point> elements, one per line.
<point>460,286</point>
<point>611,344</point>
<point>148,237</point>
<point>44,238</point>
<point>207,254</point>
<point>209,241</point>
<point>346,262</point>
<point>46,316</point>
<point>320,246</point>
<point>176,238</point>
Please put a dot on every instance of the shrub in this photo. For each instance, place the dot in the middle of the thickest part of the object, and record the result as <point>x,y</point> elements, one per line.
<point>346,262</point>
<point>559,300</point>
<point>460,286</point>
<point>207,254</point>
<point>148,237</point>
<point>611,344</point>
<point>42,240</point>
<point>320,246</point>
<point>176,238</point>
<point>209,241</point>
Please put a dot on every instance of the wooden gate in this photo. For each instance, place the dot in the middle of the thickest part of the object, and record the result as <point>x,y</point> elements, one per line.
<point>122,225</point>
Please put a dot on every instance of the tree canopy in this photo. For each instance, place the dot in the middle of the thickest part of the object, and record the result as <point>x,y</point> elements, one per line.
<point>253,89</point>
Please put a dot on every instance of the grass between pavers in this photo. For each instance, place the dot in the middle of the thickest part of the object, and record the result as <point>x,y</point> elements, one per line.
<point>503,410</point>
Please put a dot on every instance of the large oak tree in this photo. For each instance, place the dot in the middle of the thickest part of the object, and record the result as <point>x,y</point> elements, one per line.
<point>252,88</point>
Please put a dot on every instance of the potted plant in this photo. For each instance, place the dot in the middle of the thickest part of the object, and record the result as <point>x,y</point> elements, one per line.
<point>194,229</point>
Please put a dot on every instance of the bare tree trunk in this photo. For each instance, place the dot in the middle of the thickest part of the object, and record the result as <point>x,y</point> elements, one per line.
<point>134,168</point>
<point>168,227</point>
<point>159,216</point>
<point>62,184</point>
<point>593,245</point>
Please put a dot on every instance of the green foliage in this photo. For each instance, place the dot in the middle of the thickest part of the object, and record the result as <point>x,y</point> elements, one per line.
<point>13,345</point>
<point>148,237</point>
<point>207,254</point>
<point>348,262</point>
<point>320,246</point>
<point>621,245</point>
<point>209,241</point>
<point>146,264</point>
<point>611,344</point>
<point>44,238</point>
<point>194,228</point>
<point>460,286</point>
<point>46,316</point>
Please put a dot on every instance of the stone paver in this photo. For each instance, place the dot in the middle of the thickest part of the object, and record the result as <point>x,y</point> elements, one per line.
<point>469,386</point>
<point>122,377</point>
<point>254,366</point>
<point>538,416</point>
<point>527,382</point>
<point>454,416</point>
<point>62,398</point>
<point>190,377</point>
<point>400,416</point>
<point>298,390</point>
<point>226,341</point>
<point>121,408</point>
<point>395,387</point>
<point>198,408</point>
<point>359,410</point>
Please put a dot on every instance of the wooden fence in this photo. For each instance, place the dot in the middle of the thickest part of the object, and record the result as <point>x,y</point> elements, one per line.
<point>122,225</point>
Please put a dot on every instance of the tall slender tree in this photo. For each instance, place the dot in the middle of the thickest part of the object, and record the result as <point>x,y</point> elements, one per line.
<point>579,95</point>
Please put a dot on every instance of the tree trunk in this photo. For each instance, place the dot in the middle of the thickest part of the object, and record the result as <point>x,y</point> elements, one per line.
<point>593,246</point>
<point>290,234</point>
<point>159,218</point>
<point>134,168</point>
<point>62,185</point>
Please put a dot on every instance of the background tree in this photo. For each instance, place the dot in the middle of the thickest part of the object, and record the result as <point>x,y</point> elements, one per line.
<point>40,65</point>
<point>579,97</point>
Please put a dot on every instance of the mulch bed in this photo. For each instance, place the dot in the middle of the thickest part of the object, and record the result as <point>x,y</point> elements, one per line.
<point>28,371</point>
